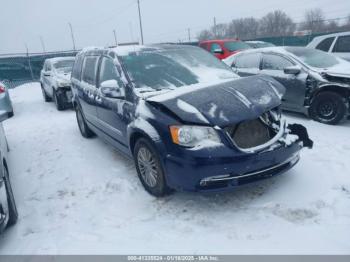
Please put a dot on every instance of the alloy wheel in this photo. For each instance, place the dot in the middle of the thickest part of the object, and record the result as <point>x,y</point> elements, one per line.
<point>147,166</point>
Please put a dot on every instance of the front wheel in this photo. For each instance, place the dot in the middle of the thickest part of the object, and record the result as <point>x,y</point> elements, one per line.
<point>58,101</point>
<point>83,127</point>
<point>149,168</point>
<point>328,108</point>
<point>12,209</point>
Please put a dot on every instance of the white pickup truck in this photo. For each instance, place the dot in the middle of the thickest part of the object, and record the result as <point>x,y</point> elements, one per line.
<point>55,81</point>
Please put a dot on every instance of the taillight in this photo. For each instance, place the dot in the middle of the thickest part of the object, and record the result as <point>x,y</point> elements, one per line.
<point>2,89</point>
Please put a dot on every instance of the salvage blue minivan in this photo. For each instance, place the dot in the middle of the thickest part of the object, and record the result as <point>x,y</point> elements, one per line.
<point>188,121</point>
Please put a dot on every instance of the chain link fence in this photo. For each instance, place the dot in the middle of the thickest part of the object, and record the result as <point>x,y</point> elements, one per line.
<point>18,69</point>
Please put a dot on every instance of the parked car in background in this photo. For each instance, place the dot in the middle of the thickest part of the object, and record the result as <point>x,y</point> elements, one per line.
<point>224,48</point>
<point>6,104</point>
<point>187,119</point>
<point>55,81</point>
<point>317,83</point>
<point>259,44</point>
<point>8,210</point>
<point>337,44</point>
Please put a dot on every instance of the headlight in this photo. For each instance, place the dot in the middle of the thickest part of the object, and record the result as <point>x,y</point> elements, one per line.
<point>191,136</point>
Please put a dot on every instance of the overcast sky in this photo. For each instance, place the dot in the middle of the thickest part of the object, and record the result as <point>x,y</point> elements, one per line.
<point>24,21</point>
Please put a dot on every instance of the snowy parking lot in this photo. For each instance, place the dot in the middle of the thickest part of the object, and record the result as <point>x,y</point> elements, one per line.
<point>80,196</point>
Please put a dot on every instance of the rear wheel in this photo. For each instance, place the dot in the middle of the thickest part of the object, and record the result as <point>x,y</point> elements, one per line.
<point>149,168</point>
<point>58,101</point>
<point>45,96</point>
<point>13,214</point>
<point>83,127</point>
<point>328,108</point>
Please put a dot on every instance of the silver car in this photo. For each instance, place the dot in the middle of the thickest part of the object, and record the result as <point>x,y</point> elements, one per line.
<point>8,210</point>
<point>6,104</point>
<point>338,44</point>
<point>55,81</point>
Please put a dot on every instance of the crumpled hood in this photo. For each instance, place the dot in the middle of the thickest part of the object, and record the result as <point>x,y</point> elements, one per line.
<point>223,104</point>
<point>63,77</point>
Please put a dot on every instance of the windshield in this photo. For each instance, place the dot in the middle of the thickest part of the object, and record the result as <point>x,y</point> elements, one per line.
<point>236,45</point>
<point>314,57</point>
<point>158,69</point>
<point>64,65</point>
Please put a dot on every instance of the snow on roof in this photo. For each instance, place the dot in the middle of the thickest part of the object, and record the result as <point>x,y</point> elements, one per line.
<point>57,59</point>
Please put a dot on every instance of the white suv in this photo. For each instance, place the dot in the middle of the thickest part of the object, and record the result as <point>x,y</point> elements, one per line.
<point>55,81</point>
<point>338,44</point>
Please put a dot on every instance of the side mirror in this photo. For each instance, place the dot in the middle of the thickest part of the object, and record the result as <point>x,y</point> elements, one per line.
<point>47,73</point>
<point>292,70</point>
<point>218,51</point>
<point>111,89</point>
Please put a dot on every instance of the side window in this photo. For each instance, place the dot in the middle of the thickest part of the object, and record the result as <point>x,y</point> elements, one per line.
<point>325,44</point>
<point>275,62</point>
<point>108,71</point>
<point>90,69</point>
<point>48,66</point>
<point>45,66</point>
<point>248,61</point>
<point>342,45</point>
<point>215,46</point>
<point>77,67</point>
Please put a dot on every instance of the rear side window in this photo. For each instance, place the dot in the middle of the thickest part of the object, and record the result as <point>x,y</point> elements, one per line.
<point>77,67</point>
<point>248,61</point>
<point>90,69</point>
<point>325,44</point>
<point>275,62</point>
<point>342,45</point>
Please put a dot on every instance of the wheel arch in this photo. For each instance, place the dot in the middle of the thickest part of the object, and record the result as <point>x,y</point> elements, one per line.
<point>143,129</point>
<point>343,91</point>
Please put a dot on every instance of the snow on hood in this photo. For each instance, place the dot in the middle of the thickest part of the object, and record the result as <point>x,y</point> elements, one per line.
<point>341,69</point>
<point>225,103</point>
<point>63,76</point>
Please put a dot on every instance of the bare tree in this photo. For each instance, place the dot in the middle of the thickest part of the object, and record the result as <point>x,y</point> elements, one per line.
<point>276,23</point>
<point>244,28</point>
<point>314,20</point>
<point>205,35</point>
<point>332,26</point>
<point>220,30</point>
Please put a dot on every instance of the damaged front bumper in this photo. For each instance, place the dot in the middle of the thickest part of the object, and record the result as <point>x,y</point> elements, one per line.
<point>66,95</point>
<point>224,168</point>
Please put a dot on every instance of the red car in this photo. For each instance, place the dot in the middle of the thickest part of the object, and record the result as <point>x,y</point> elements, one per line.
<point>224,48</point>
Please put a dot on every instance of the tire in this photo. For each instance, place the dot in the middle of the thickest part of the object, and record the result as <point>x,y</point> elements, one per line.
<point>13,214</point>
<point>45,96</point>
<point>146,159</point>
<point>328,108</point>
<point>58,101</point>
<point>83,127</point>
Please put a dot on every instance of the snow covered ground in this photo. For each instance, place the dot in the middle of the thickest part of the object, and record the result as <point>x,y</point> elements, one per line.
<point>79,196</point>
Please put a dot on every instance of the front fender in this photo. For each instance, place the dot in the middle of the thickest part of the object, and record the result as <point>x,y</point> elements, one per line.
<point>142,128</point>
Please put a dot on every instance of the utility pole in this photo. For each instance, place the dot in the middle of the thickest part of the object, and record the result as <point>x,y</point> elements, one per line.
<point>72,35</point>
<point>141,31</point>
<point>189,34</point>
<point>115,38</point>
<point>29,63</point>
<point>42,44</point>
<point>215,27</point>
